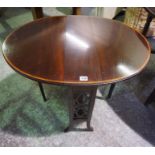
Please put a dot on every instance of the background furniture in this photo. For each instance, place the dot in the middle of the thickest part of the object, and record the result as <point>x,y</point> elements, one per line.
<point>151,39</point>
<point>151,15</point>
<point>37,12</point>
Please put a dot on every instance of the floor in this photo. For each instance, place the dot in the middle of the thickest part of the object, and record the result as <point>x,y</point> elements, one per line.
<point>25,120</point>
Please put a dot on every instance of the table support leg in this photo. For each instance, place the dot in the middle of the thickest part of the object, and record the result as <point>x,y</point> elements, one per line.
<point>150,99</point>
<point>42,91</point>
<point>81,107</point>
<point>112,86</point>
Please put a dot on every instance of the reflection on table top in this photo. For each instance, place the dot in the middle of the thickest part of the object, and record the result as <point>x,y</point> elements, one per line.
<point>77,50</point>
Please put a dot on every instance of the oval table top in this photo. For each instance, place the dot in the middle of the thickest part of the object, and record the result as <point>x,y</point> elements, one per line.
<point>76,50</point>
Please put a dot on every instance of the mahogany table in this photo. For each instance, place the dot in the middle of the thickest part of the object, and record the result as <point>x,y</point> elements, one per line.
<point>78,51</point>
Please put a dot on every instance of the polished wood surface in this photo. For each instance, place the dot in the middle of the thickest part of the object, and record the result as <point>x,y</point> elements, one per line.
<point>76,50</point>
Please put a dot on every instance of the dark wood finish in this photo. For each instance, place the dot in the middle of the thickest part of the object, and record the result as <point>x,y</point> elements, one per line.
<point>76,11</point>
<point>147,24</point>
<point>59,50</point>
<point>112,86</point>
<point>151,11</point>
<point>151,15</point>
<point>80,51</point>
<point>81,107</point>
<point>42,91</point>
<point>37,12</point>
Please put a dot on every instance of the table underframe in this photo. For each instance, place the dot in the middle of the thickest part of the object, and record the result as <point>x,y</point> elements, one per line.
<point>81,107</point>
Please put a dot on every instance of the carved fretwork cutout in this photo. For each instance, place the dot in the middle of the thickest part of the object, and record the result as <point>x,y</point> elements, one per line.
<point>81,105</point>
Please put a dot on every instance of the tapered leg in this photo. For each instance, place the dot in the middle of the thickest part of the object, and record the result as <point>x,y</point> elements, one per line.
<point>42,91</point>
<point>112,86</point>
<point>91,107</point>
<point>71,113</point>
<point>81,107</point>
<point>150,98</point>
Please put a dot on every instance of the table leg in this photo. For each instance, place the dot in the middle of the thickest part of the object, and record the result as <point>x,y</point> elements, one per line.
<point>81,107</point>
<point>112,86</point>
<point>42,91</point>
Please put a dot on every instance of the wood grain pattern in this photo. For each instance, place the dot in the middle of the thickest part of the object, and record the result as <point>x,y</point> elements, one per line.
<point>59,50</point>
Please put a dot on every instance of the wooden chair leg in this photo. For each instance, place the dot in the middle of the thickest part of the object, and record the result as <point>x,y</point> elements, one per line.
<point>150,99</point>
<point>147,24</point>
<point>112,86</point>
<point>37,12</point>
<point>120,14</point>
<point>76,11</point>
<point>42,91</point>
